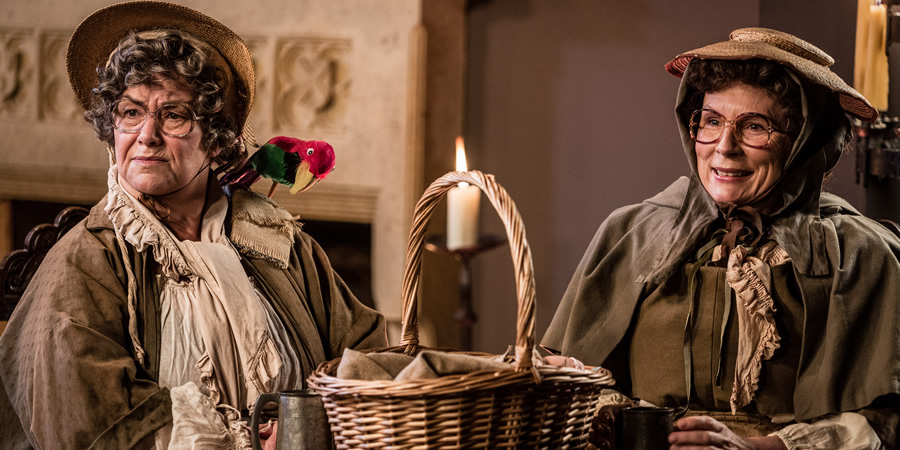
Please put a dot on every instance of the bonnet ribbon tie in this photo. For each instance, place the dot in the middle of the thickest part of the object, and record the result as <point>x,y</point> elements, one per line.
<point>743,226</point>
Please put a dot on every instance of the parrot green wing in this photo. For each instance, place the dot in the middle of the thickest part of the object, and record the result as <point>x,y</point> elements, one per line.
<point>274,163</point>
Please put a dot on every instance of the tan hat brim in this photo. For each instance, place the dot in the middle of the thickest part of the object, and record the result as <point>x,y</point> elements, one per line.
<point>852,101</point>
<point>99,34</point>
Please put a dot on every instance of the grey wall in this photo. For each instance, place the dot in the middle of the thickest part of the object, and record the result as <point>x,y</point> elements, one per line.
<point>570,107</point>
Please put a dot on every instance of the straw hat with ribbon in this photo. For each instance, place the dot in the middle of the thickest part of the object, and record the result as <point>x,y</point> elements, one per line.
<point>99,34</point>
<point>804,58</point>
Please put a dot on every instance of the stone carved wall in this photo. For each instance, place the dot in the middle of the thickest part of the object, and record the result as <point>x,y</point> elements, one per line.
<point>33,82</point>
<point>18,66</point>
<point>311,84</point>
<point>345,71</point>
<point>302,86</point>
<point>302,83</point>
<point>56,100</point>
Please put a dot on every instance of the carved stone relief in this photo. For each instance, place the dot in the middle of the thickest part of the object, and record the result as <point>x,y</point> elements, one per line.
<point>57,101</point>
<point>18,55</point>
<point>33,80</point>
<point>311,84</point>
<point>302,83</point>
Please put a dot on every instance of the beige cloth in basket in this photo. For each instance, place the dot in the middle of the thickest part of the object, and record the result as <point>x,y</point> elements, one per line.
<point>399,367</point>
<point>429,364</point>
<point>371,366</point>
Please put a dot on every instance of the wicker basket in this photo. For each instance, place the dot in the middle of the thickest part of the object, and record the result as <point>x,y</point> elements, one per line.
<point>523,407</point>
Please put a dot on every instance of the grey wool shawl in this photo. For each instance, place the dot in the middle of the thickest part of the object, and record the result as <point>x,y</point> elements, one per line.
<point>847,267</point>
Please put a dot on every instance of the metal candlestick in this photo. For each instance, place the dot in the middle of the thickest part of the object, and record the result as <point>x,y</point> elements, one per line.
<point>465,317</point>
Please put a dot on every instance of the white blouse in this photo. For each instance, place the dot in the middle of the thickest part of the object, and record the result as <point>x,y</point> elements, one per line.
<point>222,343</point>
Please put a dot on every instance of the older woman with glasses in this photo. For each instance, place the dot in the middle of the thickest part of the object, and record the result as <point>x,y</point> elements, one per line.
<point>762,309</point>
<point>161,317</point>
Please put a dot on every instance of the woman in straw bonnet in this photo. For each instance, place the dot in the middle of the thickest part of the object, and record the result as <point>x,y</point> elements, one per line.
<point>758,306</point>
<point>160,318</point>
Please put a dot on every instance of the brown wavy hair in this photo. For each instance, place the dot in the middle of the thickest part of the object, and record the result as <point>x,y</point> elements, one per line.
<point>140,58</point>
<point>712,75</point>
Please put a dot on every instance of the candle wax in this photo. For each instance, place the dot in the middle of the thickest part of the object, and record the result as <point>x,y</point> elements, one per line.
<point>876,79</point>
<point>462,216</point>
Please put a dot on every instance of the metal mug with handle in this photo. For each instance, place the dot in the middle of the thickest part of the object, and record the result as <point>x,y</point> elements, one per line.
<point>302,422</point>
<point>643,428</point>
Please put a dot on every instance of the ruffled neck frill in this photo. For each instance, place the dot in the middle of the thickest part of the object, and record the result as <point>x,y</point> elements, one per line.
<point>139,227</point>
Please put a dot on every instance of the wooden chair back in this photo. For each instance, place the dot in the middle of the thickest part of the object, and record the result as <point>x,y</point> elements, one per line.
<point>17,267</point>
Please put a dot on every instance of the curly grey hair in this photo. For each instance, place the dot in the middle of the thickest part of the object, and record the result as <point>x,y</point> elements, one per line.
<point>717,75</point>
<point>142,57</point>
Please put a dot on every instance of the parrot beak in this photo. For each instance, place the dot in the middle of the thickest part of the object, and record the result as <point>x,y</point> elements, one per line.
<point>304,179</point>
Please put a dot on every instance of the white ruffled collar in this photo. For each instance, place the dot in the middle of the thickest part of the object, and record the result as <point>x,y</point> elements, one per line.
<point>260,228</point>
<point>140,227</point>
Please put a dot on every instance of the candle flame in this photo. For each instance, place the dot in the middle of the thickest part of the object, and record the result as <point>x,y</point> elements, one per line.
<point>460,156</point>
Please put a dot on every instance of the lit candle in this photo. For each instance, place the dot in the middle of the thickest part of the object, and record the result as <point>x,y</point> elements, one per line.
<point>462,207</point>
<point>876,79</point>
<point>861,55</point>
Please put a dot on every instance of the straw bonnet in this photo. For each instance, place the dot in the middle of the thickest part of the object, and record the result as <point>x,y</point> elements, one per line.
<point>99,34</point>
<point>801,56</point>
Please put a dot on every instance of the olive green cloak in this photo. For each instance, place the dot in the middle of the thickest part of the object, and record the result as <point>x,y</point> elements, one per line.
<point>846,265</point>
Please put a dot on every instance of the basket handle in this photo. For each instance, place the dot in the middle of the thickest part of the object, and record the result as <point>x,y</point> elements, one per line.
<point>518,246</point>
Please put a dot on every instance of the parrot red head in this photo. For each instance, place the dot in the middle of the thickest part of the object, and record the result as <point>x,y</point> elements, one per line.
<point>316,160</point>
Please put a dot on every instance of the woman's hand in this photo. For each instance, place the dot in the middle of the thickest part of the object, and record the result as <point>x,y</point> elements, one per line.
<point>268,433</point>
<point>703,432</point>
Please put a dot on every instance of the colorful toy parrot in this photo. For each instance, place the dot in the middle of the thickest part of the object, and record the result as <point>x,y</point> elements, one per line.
<point>289,161</point>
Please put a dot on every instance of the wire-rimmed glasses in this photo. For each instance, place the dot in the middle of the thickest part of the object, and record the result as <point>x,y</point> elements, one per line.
<point>751,129</point>
<point>172,120</point>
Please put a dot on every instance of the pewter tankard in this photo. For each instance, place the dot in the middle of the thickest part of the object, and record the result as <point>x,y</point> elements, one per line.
<point>302,423</point>
<point>643,428</point>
